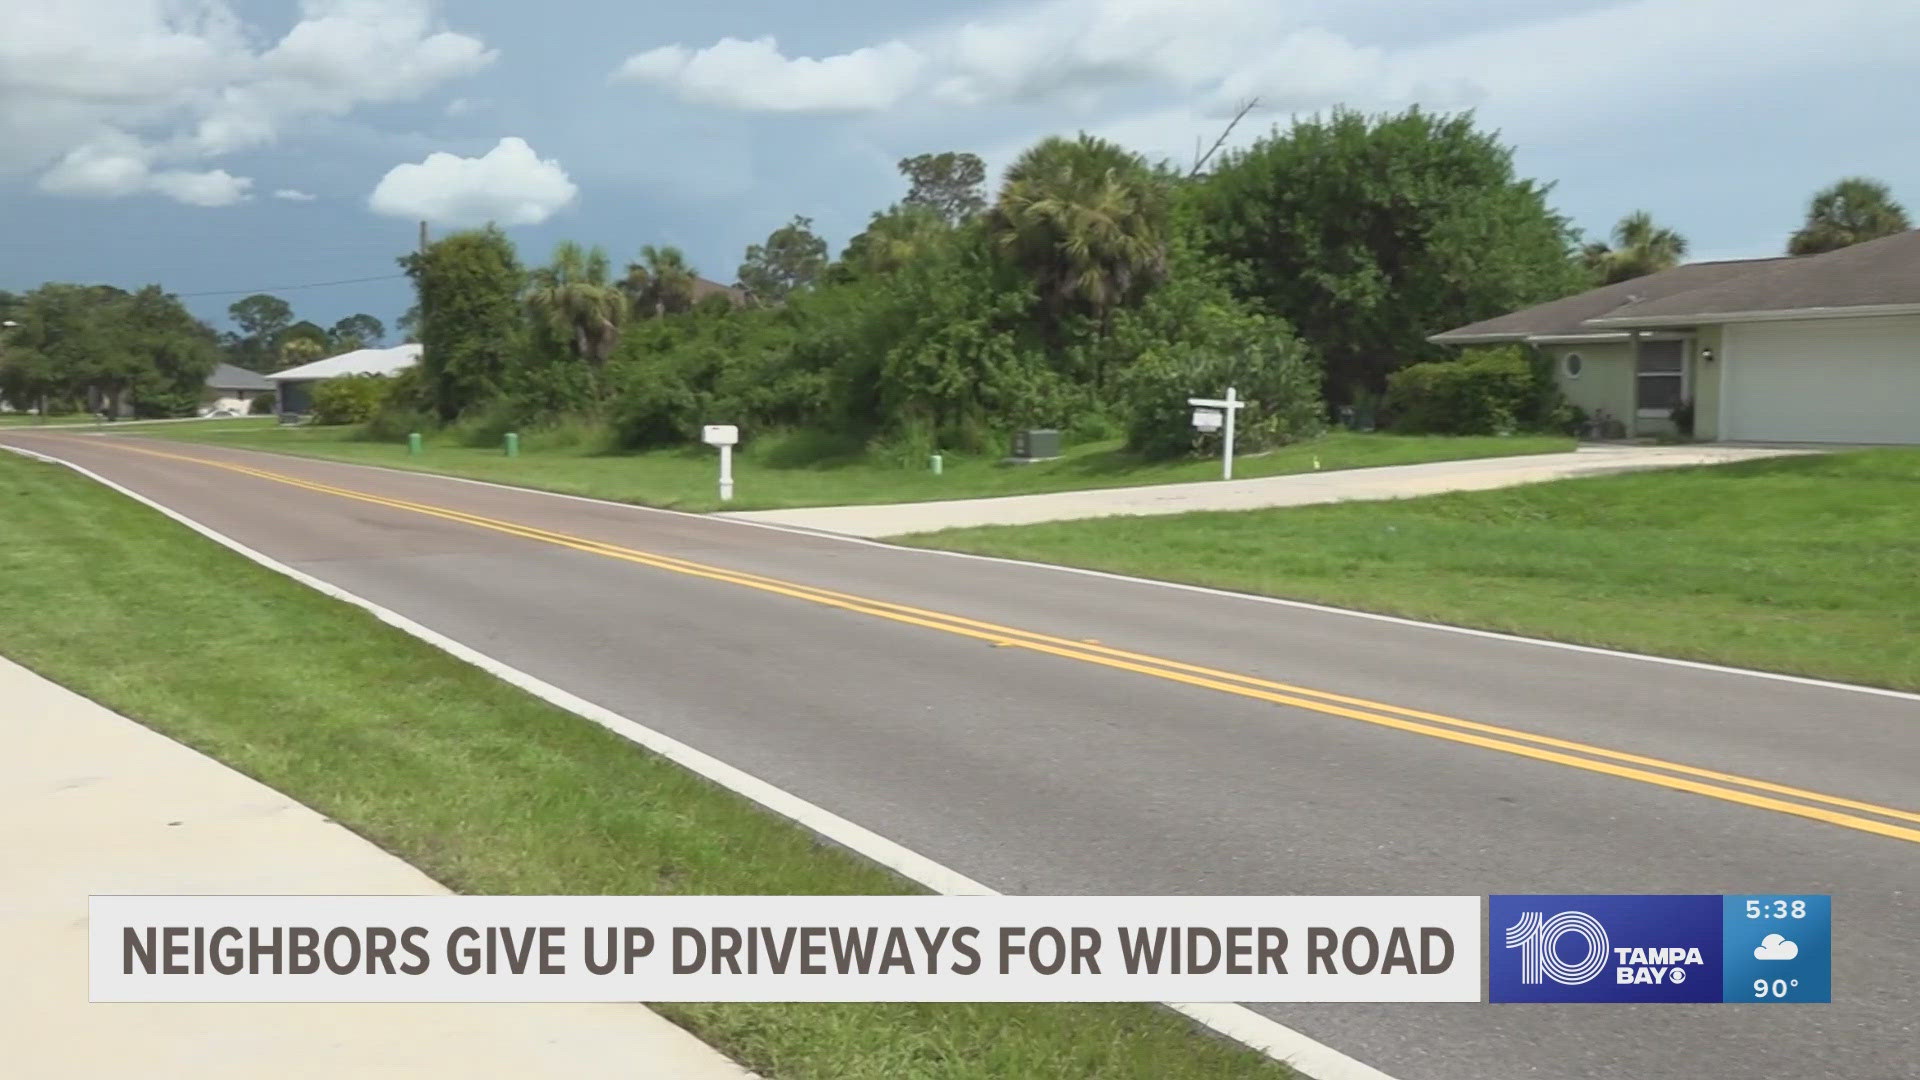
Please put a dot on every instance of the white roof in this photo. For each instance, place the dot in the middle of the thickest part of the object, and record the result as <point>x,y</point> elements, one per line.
<point>357,362</point>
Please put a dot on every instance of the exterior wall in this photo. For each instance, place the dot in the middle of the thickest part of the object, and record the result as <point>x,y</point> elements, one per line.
<point>1707,376</point>
<point>1605,383</point>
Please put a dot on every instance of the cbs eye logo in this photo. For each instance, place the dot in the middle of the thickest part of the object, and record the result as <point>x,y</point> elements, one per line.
<point>1538,940</point>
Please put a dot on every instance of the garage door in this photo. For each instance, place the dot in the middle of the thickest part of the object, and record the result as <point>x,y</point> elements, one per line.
<point>1823,380</point>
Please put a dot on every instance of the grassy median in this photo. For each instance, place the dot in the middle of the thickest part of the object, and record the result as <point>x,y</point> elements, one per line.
<point>1807,565</point>
<point>787,470</point>
<point>484,787</point>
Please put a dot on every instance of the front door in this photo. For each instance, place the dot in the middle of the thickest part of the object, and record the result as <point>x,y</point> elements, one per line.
<point>1660,381</point>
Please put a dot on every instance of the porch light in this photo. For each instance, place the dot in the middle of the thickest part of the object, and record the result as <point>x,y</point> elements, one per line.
<point>1707,355</point>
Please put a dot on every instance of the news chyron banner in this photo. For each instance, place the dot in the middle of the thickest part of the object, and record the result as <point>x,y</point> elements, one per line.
<point>1758,948</point>
<point>785,948</point>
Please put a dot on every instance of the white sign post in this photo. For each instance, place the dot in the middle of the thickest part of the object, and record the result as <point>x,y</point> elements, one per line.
<point>723,436</point>
<point>1207,416</point>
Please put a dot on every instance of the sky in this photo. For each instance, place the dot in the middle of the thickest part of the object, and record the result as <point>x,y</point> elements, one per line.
<point>223,147</point>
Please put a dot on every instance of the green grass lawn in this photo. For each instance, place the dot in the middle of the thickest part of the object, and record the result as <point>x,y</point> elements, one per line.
<point>484,787</point>
<point>1808,565</point>
<point>30,420</point>
<point>796,471</point>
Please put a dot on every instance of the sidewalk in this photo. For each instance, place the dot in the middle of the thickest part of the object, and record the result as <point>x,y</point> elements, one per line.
<point>1300,489</point>
<point>91,802</point>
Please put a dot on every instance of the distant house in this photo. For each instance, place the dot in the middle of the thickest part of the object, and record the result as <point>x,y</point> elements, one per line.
<point>295,385</point>
<point>1813,348</point>
<point>231,388</point>
<point>702,288</point>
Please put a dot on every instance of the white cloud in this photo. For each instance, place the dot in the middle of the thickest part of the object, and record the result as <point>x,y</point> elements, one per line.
<point>754,76</point>
<point>294,195</point>
<point>509,184</point>
<point>114,164</point>
<point>113,97</point>
<point>1201,57</point>
<point>215,187</point>
<point>1775,947</point>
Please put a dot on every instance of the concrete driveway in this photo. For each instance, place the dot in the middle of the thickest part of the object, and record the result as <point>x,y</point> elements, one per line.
<point>1300,489</point>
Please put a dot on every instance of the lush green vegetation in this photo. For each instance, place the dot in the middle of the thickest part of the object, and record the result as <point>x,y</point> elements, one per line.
<point>77,348</point>
<point>800,469</point>
<point>484,787</point>
<point>1804,565</point>
<point>1094,291</point>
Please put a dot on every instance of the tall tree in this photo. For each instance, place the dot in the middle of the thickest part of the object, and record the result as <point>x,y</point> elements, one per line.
<point>1640,247</point>
<point>358,331</point>
<point>468,285</point>
<point>950,184</point>
<point>1088,220</point>
<point>661,283</point>
<point>1369,233</point>
<point>793,258</point>
<point>261,319</point>
<point>572,298</point>
<point>1853,210</point>
<point>895,238</point>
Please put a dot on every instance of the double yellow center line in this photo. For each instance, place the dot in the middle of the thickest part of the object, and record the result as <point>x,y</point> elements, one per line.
<point>1727,787</point>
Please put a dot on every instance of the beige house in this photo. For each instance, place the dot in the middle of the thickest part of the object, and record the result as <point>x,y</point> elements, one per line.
<point>1815,348</point>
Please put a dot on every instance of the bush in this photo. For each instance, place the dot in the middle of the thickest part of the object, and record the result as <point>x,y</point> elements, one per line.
<point>1485,392</point>
<point>348,399</point>
<point>1192,339</point>
<point>263,404</point>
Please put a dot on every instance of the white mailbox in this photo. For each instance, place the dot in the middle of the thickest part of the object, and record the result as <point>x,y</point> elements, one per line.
<point>1208,419</point>
<point>720,434</point>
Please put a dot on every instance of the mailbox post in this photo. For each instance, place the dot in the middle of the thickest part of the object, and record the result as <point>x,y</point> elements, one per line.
<point>723,436</point>
<point>1211,414</point>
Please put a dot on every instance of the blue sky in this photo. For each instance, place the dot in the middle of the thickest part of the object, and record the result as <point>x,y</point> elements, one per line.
<point>215,145</point>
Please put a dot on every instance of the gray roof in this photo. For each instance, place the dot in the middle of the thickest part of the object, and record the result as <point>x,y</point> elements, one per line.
<point>1880,273</point>
<point>1872,277</point>
<point>1569,315</point>
<point>228,377</point>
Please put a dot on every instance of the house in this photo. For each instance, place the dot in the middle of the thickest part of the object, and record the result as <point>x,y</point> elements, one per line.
<point>702,288</point>
<point>1812,348</point>
<point>232,389</point>
<point>295,385</point>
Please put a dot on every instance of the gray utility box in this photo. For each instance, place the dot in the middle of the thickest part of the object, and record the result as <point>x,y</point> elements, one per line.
<point>1036,444</point>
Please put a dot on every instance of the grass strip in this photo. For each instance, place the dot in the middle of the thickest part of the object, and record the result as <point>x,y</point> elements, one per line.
<point>805,469</point>
<point>1806,565</point>
<point>484,787</point>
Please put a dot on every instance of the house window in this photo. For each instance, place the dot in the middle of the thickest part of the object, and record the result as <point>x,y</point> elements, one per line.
<point>1572,364</point>
<point>1661,374</point>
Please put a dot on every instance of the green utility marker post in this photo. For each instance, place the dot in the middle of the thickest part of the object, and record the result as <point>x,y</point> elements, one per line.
<point>936,463</point>
<point>513,444</point>
<point>413,444</point>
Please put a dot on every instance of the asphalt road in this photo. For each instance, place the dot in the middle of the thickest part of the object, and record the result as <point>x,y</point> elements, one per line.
<point>1050,765</point>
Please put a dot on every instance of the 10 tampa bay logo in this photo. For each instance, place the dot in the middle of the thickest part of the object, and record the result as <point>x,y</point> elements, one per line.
<point>1604,948</point>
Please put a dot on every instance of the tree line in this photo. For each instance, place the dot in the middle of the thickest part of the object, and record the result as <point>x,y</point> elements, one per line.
<point>1090,288</point>
<point>96,348</point>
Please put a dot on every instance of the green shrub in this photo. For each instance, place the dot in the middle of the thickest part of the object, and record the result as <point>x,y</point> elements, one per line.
<point>1192,339</point>
<point>348,399</point>
<point>264,404</point>
<point>1484,392</point>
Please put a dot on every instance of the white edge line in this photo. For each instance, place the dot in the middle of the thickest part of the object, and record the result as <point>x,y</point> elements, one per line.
<point>1280,601</point>
<point>1235,1022</point>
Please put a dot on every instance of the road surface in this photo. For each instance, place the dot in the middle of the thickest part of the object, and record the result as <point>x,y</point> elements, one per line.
<point>1051,732</point>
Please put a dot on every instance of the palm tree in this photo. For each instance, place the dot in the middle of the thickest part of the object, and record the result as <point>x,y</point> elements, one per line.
<point>896,238</point>
<point>1640,247</point>
<point>1851,211</point>
<point>661,283</point>
<point>572,299</point>
<point>1088,219</point>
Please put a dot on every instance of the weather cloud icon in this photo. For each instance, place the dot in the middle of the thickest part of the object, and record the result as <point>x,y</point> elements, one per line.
<point>1775,947</point>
